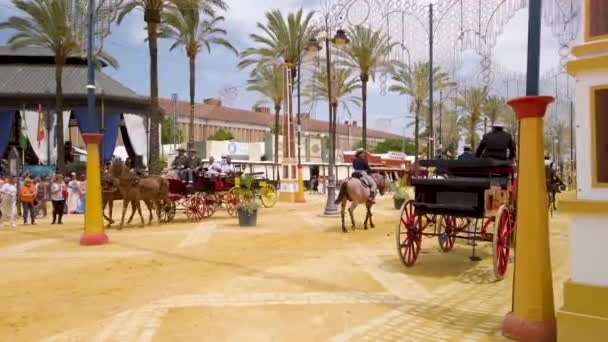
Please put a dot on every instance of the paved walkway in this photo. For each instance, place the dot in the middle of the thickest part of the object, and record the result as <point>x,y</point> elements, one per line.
<point>294,277</point>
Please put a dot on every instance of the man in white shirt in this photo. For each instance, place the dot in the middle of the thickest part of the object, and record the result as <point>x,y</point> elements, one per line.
<point>215,168</point>
<point>227,167</point>
<point>8,195</point>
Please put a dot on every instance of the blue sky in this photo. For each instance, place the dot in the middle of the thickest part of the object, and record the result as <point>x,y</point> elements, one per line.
<point>219,70</point>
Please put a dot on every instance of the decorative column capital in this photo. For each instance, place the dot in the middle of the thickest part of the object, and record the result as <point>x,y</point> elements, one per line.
<point>92,138</point>
<point>530,106</point>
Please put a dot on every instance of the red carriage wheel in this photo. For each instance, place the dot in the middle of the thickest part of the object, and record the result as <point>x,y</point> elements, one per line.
<point>503,229</point>
<point>195,208</point>
<point>446,228</point>
<point>409,235</point>
<point>231,200</point>
<point>211,202</point>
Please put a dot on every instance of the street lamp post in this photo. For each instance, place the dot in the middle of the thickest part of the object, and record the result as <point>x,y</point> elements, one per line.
<point>339,39</point>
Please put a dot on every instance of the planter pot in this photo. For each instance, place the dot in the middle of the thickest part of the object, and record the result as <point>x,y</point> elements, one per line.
<point>398,202</point>
<point>246,219</point>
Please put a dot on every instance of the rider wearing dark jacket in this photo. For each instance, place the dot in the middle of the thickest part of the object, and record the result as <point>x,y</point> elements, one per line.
<point>497,144</point>
<point>362,167</point>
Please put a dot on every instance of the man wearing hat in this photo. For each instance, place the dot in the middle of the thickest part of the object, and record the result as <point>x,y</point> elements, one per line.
<point>361,166</point>
<point>192,162</point>
<point>467,154</point>
<point>497,144</point>
<point>180,162</point>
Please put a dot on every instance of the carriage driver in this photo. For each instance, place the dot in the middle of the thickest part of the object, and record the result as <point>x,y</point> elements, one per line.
<point>361,166</point>
<point>180,163</point>
<point>497,144</point>
<point>194,162</point>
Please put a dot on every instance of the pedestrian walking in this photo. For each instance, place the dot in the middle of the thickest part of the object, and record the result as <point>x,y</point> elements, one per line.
<point>27,195</point>
<point>73,194</point>
<point>58,189</point>
<point>8,198</point>
<point>42,194</point>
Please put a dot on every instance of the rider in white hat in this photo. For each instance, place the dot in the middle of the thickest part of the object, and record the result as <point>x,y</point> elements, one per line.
<point>497,144</point>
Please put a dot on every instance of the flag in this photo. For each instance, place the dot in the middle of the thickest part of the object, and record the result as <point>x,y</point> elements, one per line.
<point>23,137</point>
<point>41,132</point>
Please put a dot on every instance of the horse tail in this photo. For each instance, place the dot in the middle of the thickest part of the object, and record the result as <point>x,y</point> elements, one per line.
<point>342,192</point>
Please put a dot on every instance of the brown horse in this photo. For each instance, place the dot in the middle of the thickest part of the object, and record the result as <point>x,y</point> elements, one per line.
<point>356,191</point>
<point>153,190</point>
<point>109,193</point>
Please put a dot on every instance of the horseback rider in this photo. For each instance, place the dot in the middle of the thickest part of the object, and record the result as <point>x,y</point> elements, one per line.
<point>361,167</point>
<point>497,144</point>
<point>180,163</point>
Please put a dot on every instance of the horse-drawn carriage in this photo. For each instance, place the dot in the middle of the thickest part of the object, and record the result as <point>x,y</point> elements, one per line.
<point>205,195</point>
<point>476,202</point>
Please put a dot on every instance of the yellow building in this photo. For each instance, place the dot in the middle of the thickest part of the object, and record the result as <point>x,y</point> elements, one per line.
<point>584,316</point>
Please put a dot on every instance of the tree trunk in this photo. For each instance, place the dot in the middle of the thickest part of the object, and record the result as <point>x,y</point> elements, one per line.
<point>154,148</point>
<point>364,79</point>
<point>277,111</point>
<point>192,89</point>
<point>59,62</point>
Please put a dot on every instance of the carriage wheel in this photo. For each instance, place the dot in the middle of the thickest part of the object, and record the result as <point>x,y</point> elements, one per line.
<point>195,208</point>
<point>409,235</point>
<point>268,195</point>
<point>231,200</point>
<point>503,229</point>
<point>446,232</point>
<point>211,203</point>
<point>167,211</point>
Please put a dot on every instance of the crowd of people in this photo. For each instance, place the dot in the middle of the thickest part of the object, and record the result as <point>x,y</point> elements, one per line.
<point>67,196</point>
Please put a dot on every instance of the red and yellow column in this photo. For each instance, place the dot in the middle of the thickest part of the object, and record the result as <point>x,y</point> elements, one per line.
<point>533,315</point>
<point>94,233</point>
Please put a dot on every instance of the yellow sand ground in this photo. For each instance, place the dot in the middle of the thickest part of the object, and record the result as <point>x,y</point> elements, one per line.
<point>294,277</point>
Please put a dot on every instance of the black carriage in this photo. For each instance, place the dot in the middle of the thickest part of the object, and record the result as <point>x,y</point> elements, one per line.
<point>473,200</point>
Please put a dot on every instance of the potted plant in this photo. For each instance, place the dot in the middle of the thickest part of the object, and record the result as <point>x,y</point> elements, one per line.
<point>400,196</point>
<point>247,208</point>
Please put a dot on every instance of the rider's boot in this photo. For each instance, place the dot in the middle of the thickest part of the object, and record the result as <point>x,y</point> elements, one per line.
<point>372,197</point>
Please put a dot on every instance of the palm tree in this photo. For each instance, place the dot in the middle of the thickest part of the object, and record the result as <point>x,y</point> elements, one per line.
<point>344,83</point>
<point>493,108</point>
<point>184,24</point>
<point>47,24</point>
<point>154,11</point>
<point>268,82</point>
<point>367,52</point>
<point>472,100</point>
<point>415,84</point>
<point>279,40</point>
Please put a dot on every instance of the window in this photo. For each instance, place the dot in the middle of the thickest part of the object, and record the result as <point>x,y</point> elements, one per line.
<point>597,22</point>
<point>599,123</point>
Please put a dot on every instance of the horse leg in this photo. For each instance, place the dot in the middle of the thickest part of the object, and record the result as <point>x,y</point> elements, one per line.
<point>125,203</point>
<point>140,215</point>
<point>150,207</point>
<point>103,210</point>
<point>369,214</point>
<point>111,203</point>
<point>133,210</point>
<point>342,212</point>
<point>351,211</point>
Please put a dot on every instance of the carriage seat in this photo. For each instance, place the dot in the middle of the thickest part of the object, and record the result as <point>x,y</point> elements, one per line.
<point>464,182</point>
